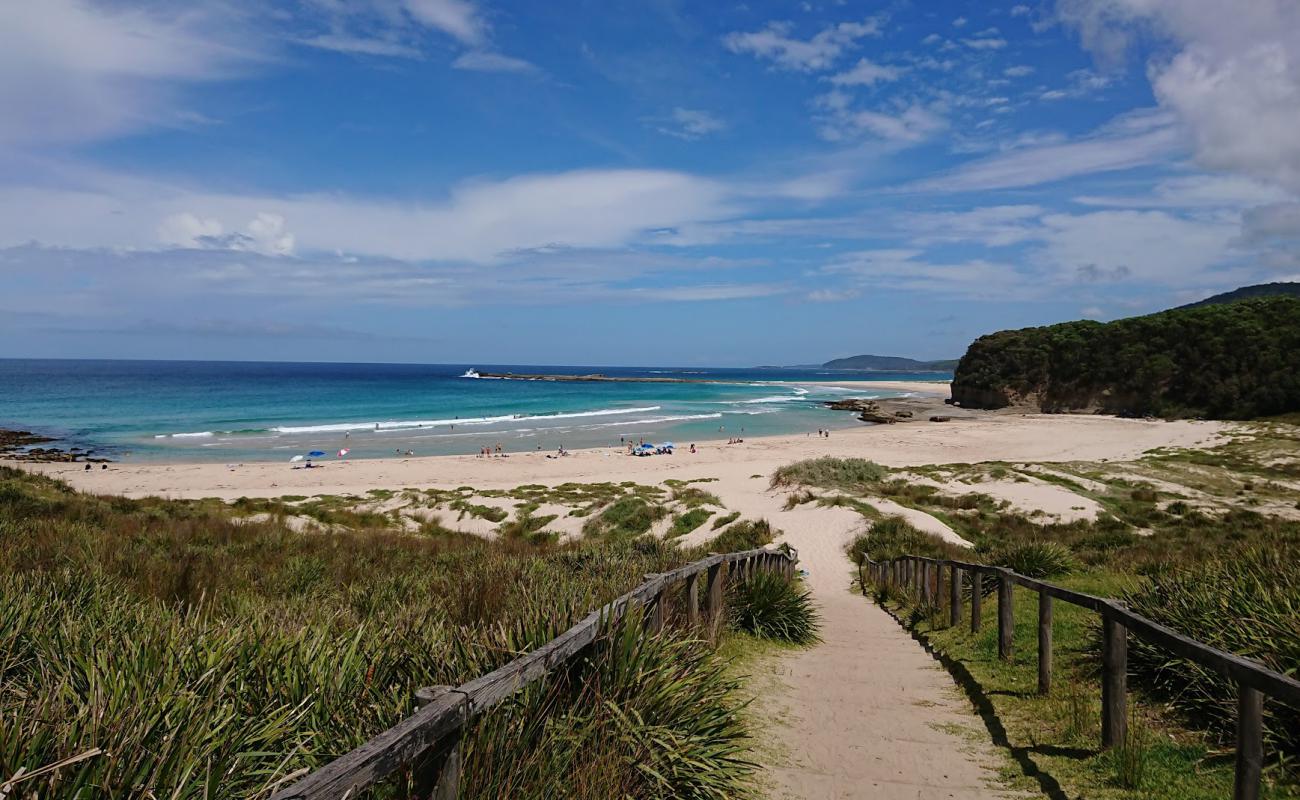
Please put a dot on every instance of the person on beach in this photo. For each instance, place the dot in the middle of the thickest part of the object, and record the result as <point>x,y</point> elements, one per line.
<point>692,448</point>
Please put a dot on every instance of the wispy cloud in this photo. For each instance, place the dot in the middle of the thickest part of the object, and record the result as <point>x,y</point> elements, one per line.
<point>777,44</point>
<point>691,124</point>
<point>1130,142</point>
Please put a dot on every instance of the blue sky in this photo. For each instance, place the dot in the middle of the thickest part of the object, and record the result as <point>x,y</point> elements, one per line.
<point>647,182</point>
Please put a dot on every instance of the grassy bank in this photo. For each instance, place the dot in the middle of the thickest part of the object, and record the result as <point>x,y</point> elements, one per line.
<point>183,653</point>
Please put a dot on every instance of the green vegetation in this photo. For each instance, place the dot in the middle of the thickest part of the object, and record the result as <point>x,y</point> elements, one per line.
<point>830,473</point>
<point>767,605</point>
<point>890,363</point>
<point>744,535</point>
<point>1229,361</point>
<point>1052,742</point>
<point>625,518</point>
<point>1180,539</point>
<point>685,523</point>
<point>1261,587</point>
<point>183,654</point>
<point>725,520</point>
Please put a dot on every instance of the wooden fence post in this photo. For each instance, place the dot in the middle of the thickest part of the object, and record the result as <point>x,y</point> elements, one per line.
<point>1250,743</point>
<point>976,599</point>
<point>713,596</point>
<point>436,775</point>
<point>925,582</point>
<point>1006,616</point>
<point>937,596</point>
<point>1114,681</point>
<point>654,619</point>
<point>1044,642</point>
<point>693,599</point>
<point>954,596</point>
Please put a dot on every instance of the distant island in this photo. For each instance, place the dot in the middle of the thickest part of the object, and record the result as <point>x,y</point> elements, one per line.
<point>890,364</point>
<point>870,363</point>
<point>1224,358</point>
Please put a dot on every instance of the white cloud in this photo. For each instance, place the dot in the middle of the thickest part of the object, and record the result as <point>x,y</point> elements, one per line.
<point>806,55</point>
<point>991,226</point>
<point>1145,246</point>
<point>866,73</point>
<point>187,230</point>
<point>1128,142</point>
<point>908,124</point>
<point>1273,221</point>
<point>988,43</point>
<point>1018,71</point>
<point>909,270</point>
<point>1234,82</point>
<point>484,61</point>
<point>691,124</point>
<point>1053,94</point>
<point>479,222</point>
<point>72,71</point>
<point>1195,191</point>
<point>1020,10</point>
<point>456,18</point>
<point>959,22</point>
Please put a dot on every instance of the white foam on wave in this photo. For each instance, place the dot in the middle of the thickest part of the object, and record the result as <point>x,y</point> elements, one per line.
<point>656,420</point>
<point>406,425</point>
<point>784,398</point>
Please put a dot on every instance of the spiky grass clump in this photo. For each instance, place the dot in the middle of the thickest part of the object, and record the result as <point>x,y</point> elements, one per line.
<point>646,716</point>
<point>626,518</point>
<point>890,537</point>
<point>772,606</point>
<point>687,522</point>
<point>1037,559</point>
<point>748,534</point>
<point>1247,604</point>
<point>830,473</point>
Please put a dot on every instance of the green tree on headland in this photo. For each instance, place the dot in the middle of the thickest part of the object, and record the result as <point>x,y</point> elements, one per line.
<point>1231,361</point>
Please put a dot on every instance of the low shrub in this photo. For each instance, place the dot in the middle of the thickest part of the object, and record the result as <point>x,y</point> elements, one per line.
<point>745,535</point>
<point>1245,604</point>
<point>1037,559</point>
<point>772,606</point>
<point>830,473</point>
<point>893,536</point>
<point>685,523</point>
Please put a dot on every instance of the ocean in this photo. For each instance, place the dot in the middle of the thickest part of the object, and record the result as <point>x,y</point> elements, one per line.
<point>244,411</point>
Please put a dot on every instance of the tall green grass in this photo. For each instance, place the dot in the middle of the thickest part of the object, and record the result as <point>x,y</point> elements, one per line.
<point>1248,604</point>
<point>194,657</point>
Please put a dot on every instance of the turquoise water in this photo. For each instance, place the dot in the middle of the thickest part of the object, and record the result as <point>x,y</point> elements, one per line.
<point>242,411</point>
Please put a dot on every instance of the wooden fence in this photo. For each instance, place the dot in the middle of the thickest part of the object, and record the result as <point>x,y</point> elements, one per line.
<point>924,579</point>
<point>428,741</point>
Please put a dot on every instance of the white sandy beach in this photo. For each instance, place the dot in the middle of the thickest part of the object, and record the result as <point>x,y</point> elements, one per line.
<point>1003,437</point>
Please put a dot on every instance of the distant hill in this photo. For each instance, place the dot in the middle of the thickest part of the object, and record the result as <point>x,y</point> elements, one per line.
<point>1228,360</point>
<point>890,364</point>
<point>1249,292</point>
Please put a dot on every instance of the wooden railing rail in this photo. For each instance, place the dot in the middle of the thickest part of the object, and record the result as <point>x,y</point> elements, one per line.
<point>923,577</point>
<point>428,740</point>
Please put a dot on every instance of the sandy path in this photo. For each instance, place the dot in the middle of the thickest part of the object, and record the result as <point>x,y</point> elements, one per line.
<point>866,713</point>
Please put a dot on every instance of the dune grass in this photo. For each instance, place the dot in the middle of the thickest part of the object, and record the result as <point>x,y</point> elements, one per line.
<point>181,654</point>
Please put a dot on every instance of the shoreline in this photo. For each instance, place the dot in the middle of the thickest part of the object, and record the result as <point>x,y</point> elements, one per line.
<point>986,436</point>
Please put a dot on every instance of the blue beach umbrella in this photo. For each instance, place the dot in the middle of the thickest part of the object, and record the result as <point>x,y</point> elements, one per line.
<point>316,453</point>
<point>668,445</point>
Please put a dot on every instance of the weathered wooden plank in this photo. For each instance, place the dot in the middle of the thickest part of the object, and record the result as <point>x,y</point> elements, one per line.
<point>383,755</point>
<point>436,774</point>
<point>954,596</point>
<point>976,599</point>
<point>1250,743</point>
<point>1044,643</point>
<point>1006,615</point>
<point>1235,667</point>
<point>1114,682</point>
<point>692,591</point>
